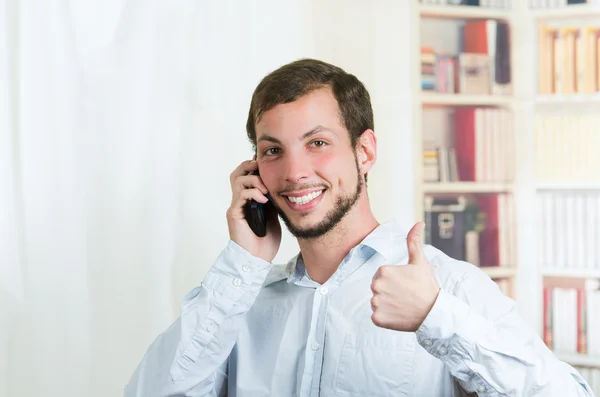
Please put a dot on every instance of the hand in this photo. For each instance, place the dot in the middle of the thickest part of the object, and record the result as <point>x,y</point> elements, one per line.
<point>245,187</point>
<point>404,295</point>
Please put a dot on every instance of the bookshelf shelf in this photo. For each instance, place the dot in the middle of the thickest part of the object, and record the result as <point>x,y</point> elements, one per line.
<point>564,99</point>
<point>571,273</point>
<point>466,187</point>
<point>592,185</point>
<point>580,360</point>
<point>499,271</point>
<point>437,99</point>
<point>463,12</point>
<point>572,11</point>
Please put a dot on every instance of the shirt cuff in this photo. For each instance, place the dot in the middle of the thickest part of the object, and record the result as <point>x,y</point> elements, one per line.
<point>451,331</point>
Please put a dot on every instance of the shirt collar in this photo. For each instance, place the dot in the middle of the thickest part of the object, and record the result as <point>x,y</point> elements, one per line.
<point>385,239</point>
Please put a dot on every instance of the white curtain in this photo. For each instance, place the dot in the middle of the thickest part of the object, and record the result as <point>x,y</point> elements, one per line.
<point>120,121</point>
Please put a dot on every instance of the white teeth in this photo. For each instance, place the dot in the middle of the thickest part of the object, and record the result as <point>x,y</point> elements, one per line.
<point>305,199</point>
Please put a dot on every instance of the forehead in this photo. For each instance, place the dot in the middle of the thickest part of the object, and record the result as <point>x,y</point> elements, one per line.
<point>318,107</point>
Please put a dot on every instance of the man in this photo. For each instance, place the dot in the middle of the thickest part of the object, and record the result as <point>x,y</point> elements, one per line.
<point>363,309</point>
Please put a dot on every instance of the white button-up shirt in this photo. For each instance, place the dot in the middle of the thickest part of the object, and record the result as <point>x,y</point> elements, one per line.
<point>256,329</point>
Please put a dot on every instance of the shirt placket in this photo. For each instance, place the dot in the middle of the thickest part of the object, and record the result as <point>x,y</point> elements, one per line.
<point>311,379</point>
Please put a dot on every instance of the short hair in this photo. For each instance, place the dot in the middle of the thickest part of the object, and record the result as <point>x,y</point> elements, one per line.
<point>294,80</point>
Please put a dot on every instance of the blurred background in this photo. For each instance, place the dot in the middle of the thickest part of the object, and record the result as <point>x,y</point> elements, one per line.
<point>121,120</point>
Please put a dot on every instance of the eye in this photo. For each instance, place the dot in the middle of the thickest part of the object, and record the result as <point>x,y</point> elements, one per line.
<point>318,143</point>
<point>271,151</point>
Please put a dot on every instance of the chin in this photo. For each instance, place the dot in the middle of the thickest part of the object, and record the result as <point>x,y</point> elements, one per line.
<point>310,226</point>
<point>315,222</point>
<point>302,223</point>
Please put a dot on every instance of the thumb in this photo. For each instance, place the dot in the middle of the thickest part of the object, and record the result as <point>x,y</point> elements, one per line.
<point>413,242</point>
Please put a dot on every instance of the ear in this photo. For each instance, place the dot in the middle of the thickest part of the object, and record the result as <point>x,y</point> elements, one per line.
<point>366,151</point>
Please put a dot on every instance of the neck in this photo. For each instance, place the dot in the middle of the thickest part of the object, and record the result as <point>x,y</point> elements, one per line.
<point>323,255</point>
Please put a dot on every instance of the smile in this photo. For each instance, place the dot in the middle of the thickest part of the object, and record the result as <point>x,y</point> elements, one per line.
<point>306,198</point>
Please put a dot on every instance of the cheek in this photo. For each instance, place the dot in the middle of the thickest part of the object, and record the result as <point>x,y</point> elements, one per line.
<point>337,169</point>
<point>269,175</point>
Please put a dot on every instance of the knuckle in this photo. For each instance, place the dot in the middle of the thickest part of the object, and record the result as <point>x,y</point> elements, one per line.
<point>374,302</point>
<point>375,286</point>
<point>377,319</point>
<point>384,271</point>
<point>254,180</point>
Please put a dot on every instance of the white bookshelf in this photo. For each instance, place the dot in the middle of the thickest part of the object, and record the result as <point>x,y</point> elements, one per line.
<point>435,99</point>
<point>571,11</point>
<point>447,15</point>
<point>564,104</point>
<point>466,187</point>
<point>529,275</point>
<point>463,12</point>
<point>572,99</point>
<point>570,273</point>
<point>568,185</point>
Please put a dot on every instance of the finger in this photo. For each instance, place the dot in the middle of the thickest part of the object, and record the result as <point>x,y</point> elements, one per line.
<point>252,194</point>
<point>240,200</point>
<point>375,286</point>
<point>416,255</point>
<point>244,168</point>
<point>250,182</point>
<point>374,303</point>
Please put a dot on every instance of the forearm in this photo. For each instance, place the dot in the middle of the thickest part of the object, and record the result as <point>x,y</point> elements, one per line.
<point>189,359</point>
<point>495,357</point>
<point>153,378</point>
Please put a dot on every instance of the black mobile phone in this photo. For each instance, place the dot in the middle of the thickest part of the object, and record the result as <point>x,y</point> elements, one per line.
<point>256,216</point>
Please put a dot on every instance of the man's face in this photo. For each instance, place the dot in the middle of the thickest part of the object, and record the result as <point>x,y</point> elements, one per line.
<point>308,164</point>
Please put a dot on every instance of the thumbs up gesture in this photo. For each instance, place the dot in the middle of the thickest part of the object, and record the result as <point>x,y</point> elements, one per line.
<point>403,295</point>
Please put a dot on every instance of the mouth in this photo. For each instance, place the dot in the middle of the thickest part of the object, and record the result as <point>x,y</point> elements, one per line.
<point>303,201</point>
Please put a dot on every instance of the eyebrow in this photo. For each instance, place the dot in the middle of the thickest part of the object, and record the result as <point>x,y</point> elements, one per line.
<point>304,136</point>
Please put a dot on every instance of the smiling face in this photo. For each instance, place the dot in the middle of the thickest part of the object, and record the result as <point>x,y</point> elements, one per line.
<point>308,164</point>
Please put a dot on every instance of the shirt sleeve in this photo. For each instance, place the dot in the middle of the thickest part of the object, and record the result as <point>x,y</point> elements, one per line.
<point>190,358</point>
<point>476,331</point>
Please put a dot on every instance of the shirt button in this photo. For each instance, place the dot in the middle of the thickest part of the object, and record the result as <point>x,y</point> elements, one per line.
<point>324,290</point>
<point>209,326</point>
<point>427,342</point>
<point>481,389</point>
<point>443,351</point>
<point>237,282</point>
<point>315,346</point>
<point>246,268</point>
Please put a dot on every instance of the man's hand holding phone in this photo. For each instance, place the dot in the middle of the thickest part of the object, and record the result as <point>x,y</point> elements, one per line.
<point>246,186</point>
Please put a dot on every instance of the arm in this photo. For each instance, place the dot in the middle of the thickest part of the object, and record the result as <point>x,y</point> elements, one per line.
<point>479,335</point>
<point>190,357</point>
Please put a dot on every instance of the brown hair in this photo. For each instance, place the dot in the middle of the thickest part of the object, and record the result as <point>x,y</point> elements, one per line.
<point>294,80</point>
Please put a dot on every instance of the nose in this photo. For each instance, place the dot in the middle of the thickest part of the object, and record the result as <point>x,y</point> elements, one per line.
<point>296,167</point>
